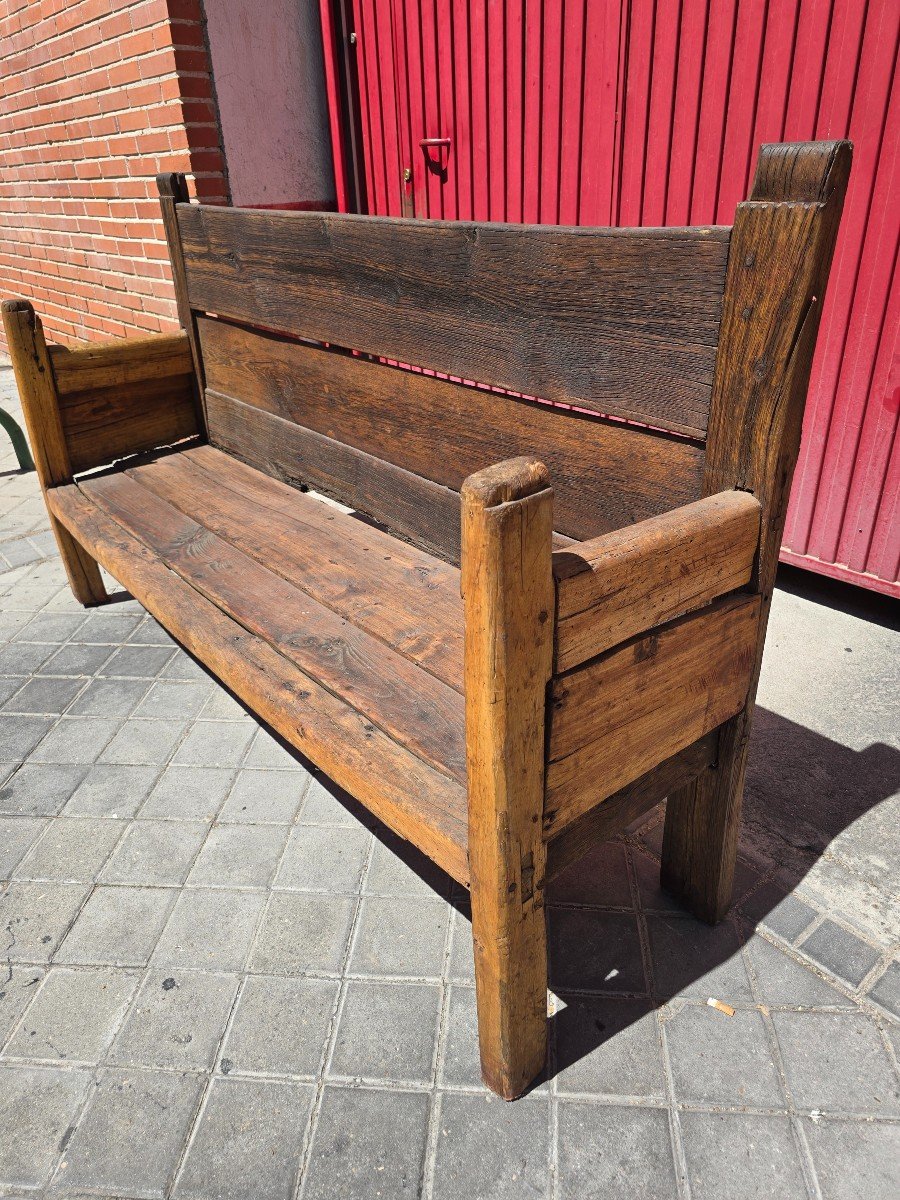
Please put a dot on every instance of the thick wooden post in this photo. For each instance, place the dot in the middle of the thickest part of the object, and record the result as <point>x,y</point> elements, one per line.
<point>778,264</point>
<point>40,406</point>
<point>173,190</point>
<point>507,585</point>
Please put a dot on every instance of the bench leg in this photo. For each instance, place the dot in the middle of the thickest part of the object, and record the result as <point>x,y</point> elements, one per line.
<point>507,588</point>
<point>82,570</point>
<point>701,831</point>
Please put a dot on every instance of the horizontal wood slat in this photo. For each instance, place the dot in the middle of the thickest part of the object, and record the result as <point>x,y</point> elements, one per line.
<point>411,706</point>
<point>124,397</point>
<point>626,582</point>
<point>617,717</point>
<point>605,475</point>
<point>624,322</point>
<point>420,804</point>
<point>394,591</point>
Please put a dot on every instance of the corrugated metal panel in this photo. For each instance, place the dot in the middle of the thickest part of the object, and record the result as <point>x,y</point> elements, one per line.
<point>651,113</point>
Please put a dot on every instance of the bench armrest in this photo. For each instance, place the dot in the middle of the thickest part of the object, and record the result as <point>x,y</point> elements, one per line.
<point>626,582</point>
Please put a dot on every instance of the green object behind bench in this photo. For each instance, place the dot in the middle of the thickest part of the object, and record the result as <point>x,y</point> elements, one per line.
<point>17,437</point>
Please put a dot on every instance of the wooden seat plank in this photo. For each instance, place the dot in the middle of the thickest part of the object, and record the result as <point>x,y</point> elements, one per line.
<point>411,706</point>
<point>417,802</point>
<point>394,591</point>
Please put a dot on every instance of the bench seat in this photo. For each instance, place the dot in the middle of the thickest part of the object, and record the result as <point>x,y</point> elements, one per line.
<point>347,640</point>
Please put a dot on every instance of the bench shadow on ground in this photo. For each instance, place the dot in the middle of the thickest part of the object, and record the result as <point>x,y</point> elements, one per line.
<point>618,945</point>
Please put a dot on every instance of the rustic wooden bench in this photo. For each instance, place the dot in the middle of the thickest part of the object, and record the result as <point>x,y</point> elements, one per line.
<point>600,645</point>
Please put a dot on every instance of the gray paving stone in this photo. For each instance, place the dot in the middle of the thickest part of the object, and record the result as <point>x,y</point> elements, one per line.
<point>103,697</point>
<point>324,858</point>
<point>836,1063</point>
<point>142,742</point>
<point>397,868</point>
<point>594,951</point>
<point>9,685</point>
<point>784,983</point>
<point>462,953</point>
<point>302,932</point>
<point>368,1144</point>
<point>222,706</point>
<point>741,1155</point>
<point>138,662</point>
<point>181,666</point>
<point>37,1106</point>
<point>75,1015</point>
<point>111,791</point>
<point>722,1060</point>
<point>177,1021</point>
<point>210,928</point>
<point>215,743</point>
<point>461,1065</point>
<point>272,796</point>
<point>18,986</point>
<point>622,1152</point>
<point>150,633</point>
<point>268,751</point>
<point>490,1150</point>
<point>400,936</point>
<point>608,1047</point>
<point>886,989</point>
<point>239,856</point>
<point>77,740</point>
<point>280,1026</point>
<point>71,849</point>
<point>51,627</point>
<point>22,658</point>
<point>119,926</point>
<point>320,805</point>
<point>44,695</point>
<point>16,835</point>
<point>107,627</point>
<point>248,1141</point>
<point>179,699</point>
<point>19,735</point>
<point>155,852</point>
<point>129,1140</point>
<point>695,959</point>
<point>387,1031</point>
<point>39,790</point>
<point>600,877</point>
<point>76,660</point>
<point>855,1159</point>
<point>840,952</point>
<point>189,793</point>
<point>34,918</point>
<point>783,914</point>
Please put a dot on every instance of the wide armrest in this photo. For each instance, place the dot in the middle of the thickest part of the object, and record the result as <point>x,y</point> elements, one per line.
<point>627,582</point>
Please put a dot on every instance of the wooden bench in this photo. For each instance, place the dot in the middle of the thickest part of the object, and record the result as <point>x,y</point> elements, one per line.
<point>600,645</point>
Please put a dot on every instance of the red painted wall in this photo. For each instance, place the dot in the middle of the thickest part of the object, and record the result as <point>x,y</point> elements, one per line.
<point>651,112</point>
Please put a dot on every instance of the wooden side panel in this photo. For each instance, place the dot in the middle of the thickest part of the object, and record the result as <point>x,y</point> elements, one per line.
<point>418,803</point>
<point>627,582</point>
<point>124,397</point>
<point>616,718</point>
<point>605,475</point>
<point>621,322</point>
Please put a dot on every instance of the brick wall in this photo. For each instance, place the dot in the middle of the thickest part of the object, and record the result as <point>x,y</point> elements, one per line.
<point>96,97</point>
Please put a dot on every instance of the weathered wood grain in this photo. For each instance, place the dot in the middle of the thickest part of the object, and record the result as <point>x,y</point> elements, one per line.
<point>121,363</point>
<point>40,407</point>
<point>624,322</point>
<point>605,474</point>
<point>622,714</point>
<point>412,707</point>
<point>778,268</point>
<point>618,811</point>
<point>173,192</point>
<point>395,592</point>
<point>508,593</point>
<point>420,804</point>
<point>613,587</point>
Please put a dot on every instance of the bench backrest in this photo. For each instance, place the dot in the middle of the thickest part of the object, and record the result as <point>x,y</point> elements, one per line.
<point>606,343</point>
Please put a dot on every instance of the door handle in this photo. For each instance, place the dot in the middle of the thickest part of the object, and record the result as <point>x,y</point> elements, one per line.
<point>434,150</point>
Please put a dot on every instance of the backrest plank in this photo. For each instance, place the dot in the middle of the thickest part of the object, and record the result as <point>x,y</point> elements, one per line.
<point>623,322</point>
<point>605,474</point>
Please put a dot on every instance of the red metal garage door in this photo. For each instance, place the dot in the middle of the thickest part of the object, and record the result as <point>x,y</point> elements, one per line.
<point>643,113</point>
